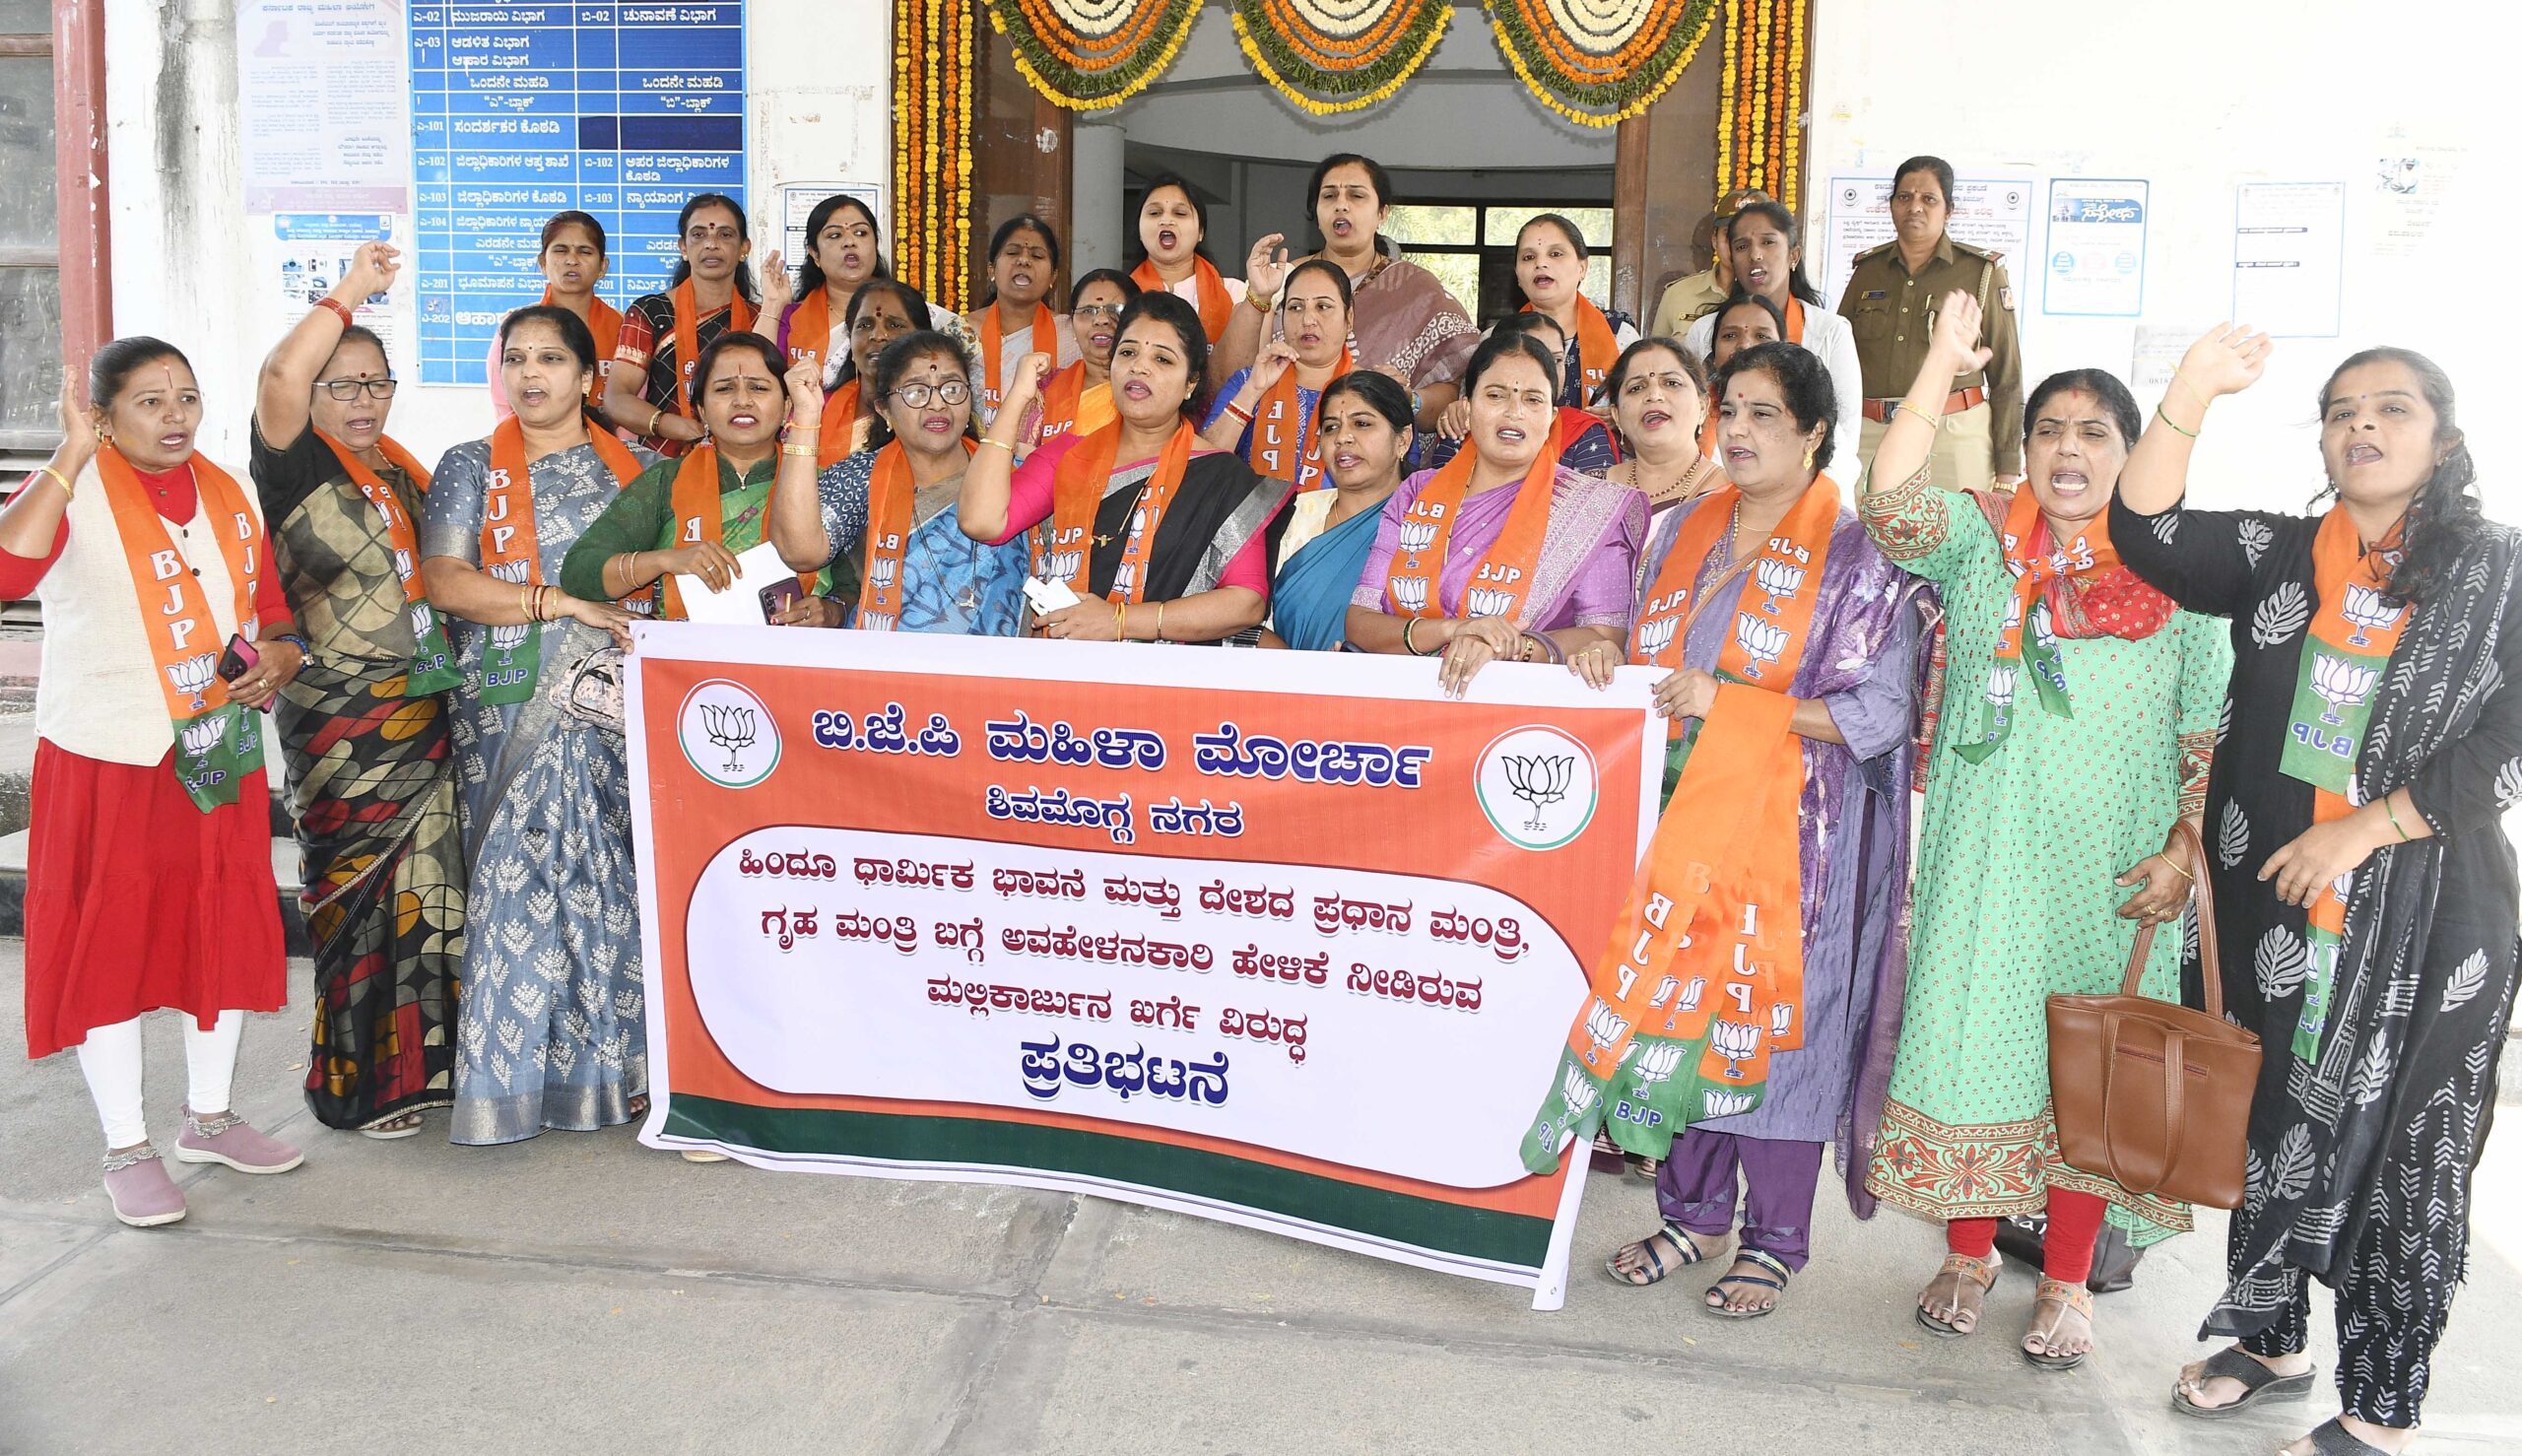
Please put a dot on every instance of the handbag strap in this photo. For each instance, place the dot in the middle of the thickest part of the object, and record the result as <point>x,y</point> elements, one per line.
<point>2202,902</point>
<point>2175,1109</point>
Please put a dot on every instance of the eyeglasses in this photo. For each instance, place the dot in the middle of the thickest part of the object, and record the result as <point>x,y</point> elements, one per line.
<point>348,390</point>
<point>917,396</point>
<point>1098,310</point>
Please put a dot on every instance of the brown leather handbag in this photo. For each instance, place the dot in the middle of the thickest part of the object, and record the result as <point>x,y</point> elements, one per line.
<point>2152,1095</point>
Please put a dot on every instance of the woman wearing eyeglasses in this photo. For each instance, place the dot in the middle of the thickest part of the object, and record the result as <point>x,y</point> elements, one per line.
<point>894,503</point>
<point>1078,400</point>
<point>363,726</point>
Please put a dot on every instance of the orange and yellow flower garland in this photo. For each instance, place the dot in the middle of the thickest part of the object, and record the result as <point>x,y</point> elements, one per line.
<point>1600,77</point>
<point>1331,59</point>
<point>1087,57</point>
<point>933,62</point>
<point>1760,107</point>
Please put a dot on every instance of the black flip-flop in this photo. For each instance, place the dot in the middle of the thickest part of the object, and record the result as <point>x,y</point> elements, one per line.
<point>2257,1381</point>
<point>2332,1438</point>
<point>1751,1256</point>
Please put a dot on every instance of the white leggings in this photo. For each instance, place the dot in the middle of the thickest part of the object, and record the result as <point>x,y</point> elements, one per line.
<point>111,1061</point>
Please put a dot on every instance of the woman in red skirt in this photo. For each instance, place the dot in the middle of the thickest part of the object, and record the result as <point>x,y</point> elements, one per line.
<point>148,878</point>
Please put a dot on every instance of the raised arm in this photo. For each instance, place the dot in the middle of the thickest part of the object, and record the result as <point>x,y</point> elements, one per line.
<point>796,521</point>
<point>32,523</point>
<point>283,391</point>
<point>2226,361</point>
<point>1910,437</point>
<point>1240,343</point>
<point>980,508</point>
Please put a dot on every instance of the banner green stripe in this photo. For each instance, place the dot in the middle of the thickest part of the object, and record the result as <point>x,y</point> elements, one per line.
<point>1375,1212</point>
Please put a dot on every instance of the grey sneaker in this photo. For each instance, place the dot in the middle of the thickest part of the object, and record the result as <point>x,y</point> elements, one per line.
<point>143,1196</point>
<point>225,1137</point>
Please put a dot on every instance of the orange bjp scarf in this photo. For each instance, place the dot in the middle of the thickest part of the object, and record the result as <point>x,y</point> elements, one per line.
<point>1597,347</point>
<point>891,495</point>
<point>1704,978</point>
<point>217,742</point>
<point>1076,492</point>
<point>1216,306</point>
<point>1279,428</point>
<point>1414,586</point>
<point>432,667</point>
<point>512,656</point>
<point>698,517</point>
<point>2353,633</point>
<point>1045,337</point>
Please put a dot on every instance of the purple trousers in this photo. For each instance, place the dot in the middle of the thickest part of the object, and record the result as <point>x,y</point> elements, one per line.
<point>1696,1188</point>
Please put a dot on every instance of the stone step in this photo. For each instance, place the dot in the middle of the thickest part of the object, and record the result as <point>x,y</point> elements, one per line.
<point>13,889</point>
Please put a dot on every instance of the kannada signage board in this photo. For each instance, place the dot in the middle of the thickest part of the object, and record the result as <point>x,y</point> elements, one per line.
<point>520,111</point>
<point>1281,939</point>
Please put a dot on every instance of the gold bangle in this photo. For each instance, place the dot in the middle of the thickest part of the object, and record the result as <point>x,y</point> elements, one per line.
<point>2175,864</point>
<point>654,416</point>
<point>1002,445</point>
<point>1121,621</point>
<point>809,451</point>
<point>1160,631</point>
<point>68,490</point>
<point>1261,305</point>
<point>1410,624</point>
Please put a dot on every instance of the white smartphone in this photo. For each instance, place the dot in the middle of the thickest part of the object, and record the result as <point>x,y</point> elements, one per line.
<point>1048,596</point>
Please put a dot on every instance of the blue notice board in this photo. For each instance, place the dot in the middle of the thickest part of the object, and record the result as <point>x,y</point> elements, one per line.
<point>522,110</point>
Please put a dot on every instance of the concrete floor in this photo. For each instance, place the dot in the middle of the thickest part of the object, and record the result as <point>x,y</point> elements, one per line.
<point>579,1292</point>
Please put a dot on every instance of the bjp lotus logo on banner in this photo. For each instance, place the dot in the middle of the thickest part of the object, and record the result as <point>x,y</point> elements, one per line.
<point>1537,785</point>
<point>727,734</point>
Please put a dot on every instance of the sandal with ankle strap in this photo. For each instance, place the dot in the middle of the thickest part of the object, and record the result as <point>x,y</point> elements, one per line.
<point>1654,1269</point>
<point>2058,1298</point>
<point>1968,1272</point>
<point>1766,1261</point>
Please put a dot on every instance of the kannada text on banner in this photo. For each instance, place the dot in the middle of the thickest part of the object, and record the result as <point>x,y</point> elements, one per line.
<point>1283,939</point>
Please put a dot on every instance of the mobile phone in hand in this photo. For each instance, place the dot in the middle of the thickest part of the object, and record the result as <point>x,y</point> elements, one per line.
<point>779,596</point>
<point>238,659</point>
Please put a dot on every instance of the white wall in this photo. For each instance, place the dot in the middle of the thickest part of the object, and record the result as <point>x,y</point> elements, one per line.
<point>2196,97</point>
<point>819,108</point>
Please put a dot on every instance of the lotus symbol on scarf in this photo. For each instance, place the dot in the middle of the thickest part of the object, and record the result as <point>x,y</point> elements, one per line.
<point>1484,602</point>
<point>1692,992</point>
<point>1125,578</point>
<point>731,727</point>
<point>1780,579</point>
<point>421,618</point>
<point>1539,779</point>
<point>2001,687</point>
<point>203,734</point>
<point>1659,1062</point>
<point>194,675</point>
<point>1735,1042</point>
<point>1782,1018</point>
<point>1719,1103</point>
<point>2043,632</point>
<point>1411,592</point>
<point>2341,683</point>
<point>1762,640</point>
<point>1655,635</point>
<point>512,572</point>
<point>402,564</point>
<point>1418,536</point>
<point>1061,565</point>
<point>506,638</point>
<point>877,620</point>
<point>884,572</point>
<point>2366,608</point>
<point>1579,1090</point>
<point>1604,1025</point>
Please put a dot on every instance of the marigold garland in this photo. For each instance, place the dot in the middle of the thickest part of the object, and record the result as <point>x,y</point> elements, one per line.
<point>1339,56</point>
<point>1599,62</point>
<point>1760,105</point>
<point>1087,54</point>
<point>933,145</point>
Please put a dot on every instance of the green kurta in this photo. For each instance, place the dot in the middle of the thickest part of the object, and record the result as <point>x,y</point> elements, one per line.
<point>642,518</point>
<point>2015,895</point>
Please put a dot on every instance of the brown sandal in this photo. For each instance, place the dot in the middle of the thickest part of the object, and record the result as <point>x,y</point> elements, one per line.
<point>2056,1299</point>
<point>1971,1278</point>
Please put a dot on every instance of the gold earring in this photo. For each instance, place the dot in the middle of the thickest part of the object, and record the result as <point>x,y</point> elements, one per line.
<point>1808,457</point>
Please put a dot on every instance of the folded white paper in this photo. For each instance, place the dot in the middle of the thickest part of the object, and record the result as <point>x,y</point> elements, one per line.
<point>740,605</point>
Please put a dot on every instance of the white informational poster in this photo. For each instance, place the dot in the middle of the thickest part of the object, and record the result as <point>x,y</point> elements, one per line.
<point>2411,179</point>
<point>324,108</point>
<point>307,254</point>
<point>2290,242</point>
<point>2095,258</point>
<point>2158,351</point>
<point>797,203</point>
<point>1989,213</point>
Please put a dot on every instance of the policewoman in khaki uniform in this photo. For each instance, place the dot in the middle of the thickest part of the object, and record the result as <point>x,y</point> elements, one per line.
<point>1889,306</point>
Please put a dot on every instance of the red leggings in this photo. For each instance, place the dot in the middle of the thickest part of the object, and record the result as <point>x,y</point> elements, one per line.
<point>2074,1223</point>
